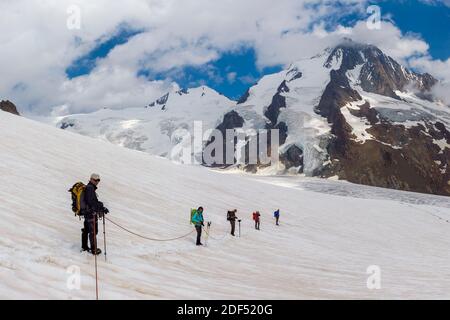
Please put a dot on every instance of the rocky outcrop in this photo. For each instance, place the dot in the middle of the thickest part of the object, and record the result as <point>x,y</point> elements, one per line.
<point>293,158</point>
<point>231,120</point>
<point>396,156</point>
<point>400,158</point>
<point>379,73</point>
<point>278,103</point>
<point>8,106</point>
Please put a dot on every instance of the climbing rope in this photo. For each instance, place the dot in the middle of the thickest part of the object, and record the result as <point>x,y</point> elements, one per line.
<point>95,258</point>
<point>148,238</point>
<point>216,239</point>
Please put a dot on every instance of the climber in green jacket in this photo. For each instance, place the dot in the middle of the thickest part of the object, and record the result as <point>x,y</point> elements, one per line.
<point>197,220</point>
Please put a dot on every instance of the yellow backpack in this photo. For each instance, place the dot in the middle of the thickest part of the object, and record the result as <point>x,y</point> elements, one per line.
<point>78,203</point>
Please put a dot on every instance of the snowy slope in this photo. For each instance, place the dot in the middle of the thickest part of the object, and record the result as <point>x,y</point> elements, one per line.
<point>330,231</point>
<point>152,129</point>
<point>306,80</point>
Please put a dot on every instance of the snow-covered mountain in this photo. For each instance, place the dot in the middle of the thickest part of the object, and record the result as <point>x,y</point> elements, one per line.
<point>153,128</point>
<point>355,113</point>
<point>332,234</point>
<point>350,112</point>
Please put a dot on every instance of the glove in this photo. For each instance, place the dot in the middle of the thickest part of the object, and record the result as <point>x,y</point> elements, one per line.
<point>105,211</point>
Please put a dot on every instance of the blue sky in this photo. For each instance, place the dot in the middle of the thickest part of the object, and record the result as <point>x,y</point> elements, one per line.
<point>233,72</point>
<point>85,64</point>
<point>431,21</point>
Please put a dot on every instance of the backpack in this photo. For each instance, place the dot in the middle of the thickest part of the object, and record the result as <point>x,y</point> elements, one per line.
<point>78,203</point>
<point>193,212</point>
<point>254,216</point>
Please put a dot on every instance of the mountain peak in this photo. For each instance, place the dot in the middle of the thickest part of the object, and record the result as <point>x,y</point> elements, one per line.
<point>379,72</point>
<point>187,94</point>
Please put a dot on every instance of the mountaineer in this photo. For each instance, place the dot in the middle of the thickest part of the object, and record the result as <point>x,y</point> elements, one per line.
<point>231,216</point>
<point>92,211</point>
<point>197,220</point>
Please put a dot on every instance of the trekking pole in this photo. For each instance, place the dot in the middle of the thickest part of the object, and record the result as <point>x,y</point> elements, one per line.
<point>95,256</point>
<point>104,234</point>
<point>239,228</point>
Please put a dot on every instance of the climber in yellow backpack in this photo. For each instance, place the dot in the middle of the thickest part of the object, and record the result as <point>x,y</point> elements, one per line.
<point>86,204</point>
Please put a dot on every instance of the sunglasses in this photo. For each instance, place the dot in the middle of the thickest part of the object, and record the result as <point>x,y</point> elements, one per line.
<point>97,180</point>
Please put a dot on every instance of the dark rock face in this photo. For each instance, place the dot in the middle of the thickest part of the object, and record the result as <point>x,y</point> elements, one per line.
<point>8,106</point>
<point>181,92</point>
<point>231,120</point>
<point>163,100</point>
<point>398,157</point>
<point>293,158</point>
<point>337,93</point>
<point>294,74</point>
<point>66,125</point>
<point>411,162</point>
<point>380,73</point>
<point>283,130</point>
<point>278,102</point>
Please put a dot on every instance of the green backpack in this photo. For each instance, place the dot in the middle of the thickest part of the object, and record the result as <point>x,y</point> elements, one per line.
<point>193,212</point>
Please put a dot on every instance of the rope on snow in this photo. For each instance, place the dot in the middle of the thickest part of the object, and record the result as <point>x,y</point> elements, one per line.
<point>148,238</point>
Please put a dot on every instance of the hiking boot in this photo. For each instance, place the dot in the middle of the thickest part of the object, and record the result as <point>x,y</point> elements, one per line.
<point>85,249</point>
<point>199,244</point>
<point>96,252</point>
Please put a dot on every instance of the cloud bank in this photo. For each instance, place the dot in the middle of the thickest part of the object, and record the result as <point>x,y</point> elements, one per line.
<point>37,47</point>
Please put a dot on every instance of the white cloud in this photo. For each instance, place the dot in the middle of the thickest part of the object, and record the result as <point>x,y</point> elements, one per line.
<point>442,92</point>
<point>436,2</point>
<point>111,87</point>
<point>248,79</point>
<point>231,77</point>
<point>439,69</point>
<point>37,47</point>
